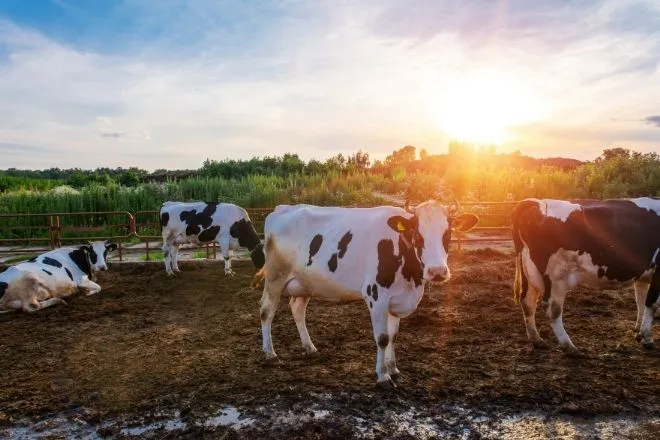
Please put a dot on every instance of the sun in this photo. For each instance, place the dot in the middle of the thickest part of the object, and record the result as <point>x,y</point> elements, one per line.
<point>483,108</point>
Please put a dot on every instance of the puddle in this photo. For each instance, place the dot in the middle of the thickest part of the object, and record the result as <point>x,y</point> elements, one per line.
<point>449,421</point>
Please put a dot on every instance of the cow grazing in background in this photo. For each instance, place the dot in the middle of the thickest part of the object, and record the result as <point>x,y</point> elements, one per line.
<point>44,280</point>
<point>199,222</point>
<point>603,244</point>
<point>382,255</point>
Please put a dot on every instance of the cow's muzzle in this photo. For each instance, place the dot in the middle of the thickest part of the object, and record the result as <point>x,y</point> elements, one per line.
<point>438,274</point>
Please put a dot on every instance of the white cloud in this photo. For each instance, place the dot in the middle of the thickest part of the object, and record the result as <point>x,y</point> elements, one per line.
<point>317,80</point>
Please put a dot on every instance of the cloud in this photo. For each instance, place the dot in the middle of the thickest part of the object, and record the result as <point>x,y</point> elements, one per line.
<point>653,120</point>
<point>166,84</point>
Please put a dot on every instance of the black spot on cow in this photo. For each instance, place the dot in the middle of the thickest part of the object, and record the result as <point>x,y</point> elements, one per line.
<point>342,247</point>
<point>244,232</point>
<point>68,272</point>
<point>369,290</point>
<point>49,273</point>
<point>51,262</point>
<point>209,234</point>
<point>413,268</point>
<point>3,288</point>
<point>81,258</point>
<point>314,247</point>
<point>374,292</point>
<point>383,340</point>
<point>196,222</point>
<point>332,263</point>
<point>164,219</point>
<point>371,305</point>
<point>388,263</point>
<point>32,260</point>
<point>446,238</point>
<point>654,290</point>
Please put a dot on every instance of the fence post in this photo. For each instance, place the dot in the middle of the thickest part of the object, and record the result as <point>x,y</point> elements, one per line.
<point>57,231</point>
<point>119,248</point>
<point>51,239</point>
<point>146,242</point>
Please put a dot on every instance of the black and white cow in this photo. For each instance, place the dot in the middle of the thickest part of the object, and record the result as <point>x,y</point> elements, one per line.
<point>603,244</point>
<point>383,256</point>
<point>199,222</point>
<point>44,280</point>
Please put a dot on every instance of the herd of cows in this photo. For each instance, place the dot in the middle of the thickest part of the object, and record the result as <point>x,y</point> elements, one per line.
<point>385,256</point>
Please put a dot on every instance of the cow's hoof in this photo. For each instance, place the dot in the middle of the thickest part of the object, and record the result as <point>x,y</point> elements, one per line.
<point>177,271</point>
<point>230,273</point>
<point>638,337</point>
<point>64,303</point>
<point>395,377</point>
<point>647,345</point>
<point>312,352</point>
<point>386,385</point>
<point>170,274</point>
<point>271,360</point>
<point>540,344</point>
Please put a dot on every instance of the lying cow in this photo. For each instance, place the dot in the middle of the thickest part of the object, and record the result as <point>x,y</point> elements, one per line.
<point>604,244</point>
<point>381,255</point>
<point>199,222</point>
<point>44,280</point>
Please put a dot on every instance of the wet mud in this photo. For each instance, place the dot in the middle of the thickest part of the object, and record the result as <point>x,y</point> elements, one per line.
<point>153,356</point>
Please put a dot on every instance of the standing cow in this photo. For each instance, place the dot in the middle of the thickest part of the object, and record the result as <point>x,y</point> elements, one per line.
<point>563,244</point>
<point>382,255</point>
<point>199,222</point>
<point>44,280</point>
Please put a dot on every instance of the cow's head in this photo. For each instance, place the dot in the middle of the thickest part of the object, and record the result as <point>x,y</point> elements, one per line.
<point>425,237</point>
<point>98,251</point>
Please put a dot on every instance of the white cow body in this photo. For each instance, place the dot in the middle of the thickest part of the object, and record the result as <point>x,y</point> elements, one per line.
<point>199,222</point>
<point>43,281</point>
<point>383,255</point>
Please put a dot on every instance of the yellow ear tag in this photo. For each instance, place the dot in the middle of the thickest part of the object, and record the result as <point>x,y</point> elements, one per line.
<point>400,227</point>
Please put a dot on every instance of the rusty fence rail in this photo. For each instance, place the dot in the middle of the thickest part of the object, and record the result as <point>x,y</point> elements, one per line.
<point>35,233</point>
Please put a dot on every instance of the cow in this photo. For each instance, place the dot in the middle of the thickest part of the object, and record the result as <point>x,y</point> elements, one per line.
<point>383,255</point>
<point>44,280</point>
<point>206,222</point>
<point>561,244</point>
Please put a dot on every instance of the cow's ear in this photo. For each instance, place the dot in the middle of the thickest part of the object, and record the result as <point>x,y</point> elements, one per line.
<point>111,247</point>
<point>465,222</point>
<point>401,224</point>
<point>86,248</point>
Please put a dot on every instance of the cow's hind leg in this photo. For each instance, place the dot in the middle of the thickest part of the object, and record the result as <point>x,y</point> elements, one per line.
<point>224,243</point>
<point>641,289</point>
<point>555,312</point>
<point>651,305</point>
<point>528,304</point>
<point>298,310</point>
<point>270,299</point>
<point>174,261</point>
<point>167,254</point>
<point>390,356</point>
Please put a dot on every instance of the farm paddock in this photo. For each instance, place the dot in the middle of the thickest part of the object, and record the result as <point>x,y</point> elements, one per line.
<point>181,358</point>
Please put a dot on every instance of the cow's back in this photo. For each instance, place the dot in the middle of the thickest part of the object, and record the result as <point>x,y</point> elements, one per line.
<point>337,245</point>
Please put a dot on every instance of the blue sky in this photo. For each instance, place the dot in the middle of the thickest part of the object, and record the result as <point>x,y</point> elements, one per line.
<point>168,83</point>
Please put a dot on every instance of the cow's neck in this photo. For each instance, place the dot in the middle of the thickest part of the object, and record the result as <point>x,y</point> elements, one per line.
<point>81,259</point>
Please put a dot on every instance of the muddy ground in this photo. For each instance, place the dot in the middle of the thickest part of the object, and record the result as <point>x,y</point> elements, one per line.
<point>178,350</point>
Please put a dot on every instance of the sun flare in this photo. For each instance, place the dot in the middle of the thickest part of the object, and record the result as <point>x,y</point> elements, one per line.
<point>483,108</point>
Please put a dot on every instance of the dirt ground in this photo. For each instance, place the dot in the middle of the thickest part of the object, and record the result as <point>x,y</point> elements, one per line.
<point>150,344</point>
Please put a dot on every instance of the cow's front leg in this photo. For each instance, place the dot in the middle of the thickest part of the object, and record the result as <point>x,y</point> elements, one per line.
<point>379,322</point>
<point>390,357</point>
<point>226,254</point>
<point>90,286</point>
<point>555,312</point>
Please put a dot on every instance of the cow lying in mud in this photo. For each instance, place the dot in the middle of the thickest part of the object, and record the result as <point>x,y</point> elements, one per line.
<point>198,222</point>
<point>382,255</point>
<point>604,244</point>
<point>43,281</point>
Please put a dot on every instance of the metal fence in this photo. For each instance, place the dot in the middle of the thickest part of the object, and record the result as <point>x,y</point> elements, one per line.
<point>136,232</point>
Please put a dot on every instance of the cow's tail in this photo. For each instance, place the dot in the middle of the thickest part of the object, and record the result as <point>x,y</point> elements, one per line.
<point>258,256</point>
<point>520,282</point>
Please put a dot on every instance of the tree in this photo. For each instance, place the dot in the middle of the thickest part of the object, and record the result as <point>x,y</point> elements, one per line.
<point>359,161</point>
<point>402,156</point>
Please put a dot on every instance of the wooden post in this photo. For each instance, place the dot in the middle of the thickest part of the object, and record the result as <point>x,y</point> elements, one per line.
<point>119,248</point>
<point>146,242</point>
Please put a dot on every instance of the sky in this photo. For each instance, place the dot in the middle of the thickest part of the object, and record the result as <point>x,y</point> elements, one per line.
<point>169,83</point>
